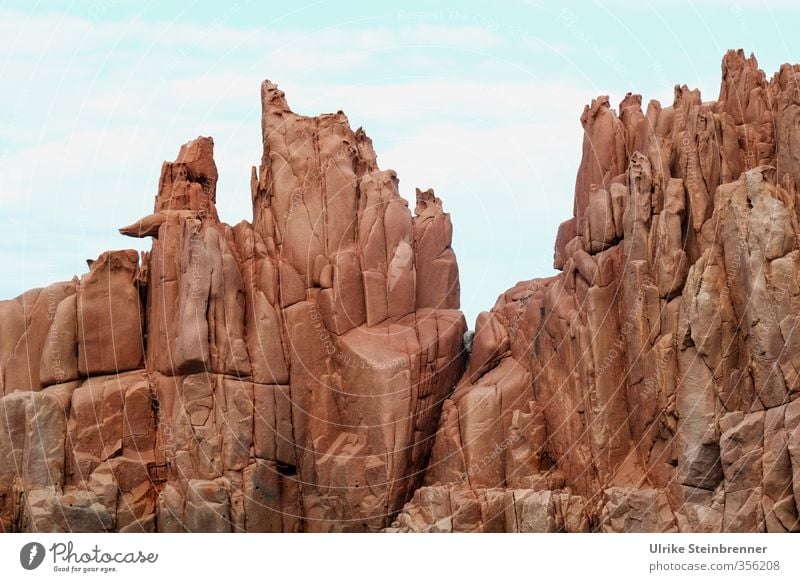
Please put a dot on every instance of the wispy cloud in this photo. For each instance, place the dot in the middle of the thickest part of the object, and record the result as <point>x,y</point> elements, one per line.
<point>92,108</point>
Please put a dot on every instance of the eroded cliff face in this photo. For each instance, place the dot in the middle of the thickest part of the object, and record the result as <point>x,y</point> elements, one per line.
<point>285,375</point>
<point>306,371</point>
<point>652,385</point>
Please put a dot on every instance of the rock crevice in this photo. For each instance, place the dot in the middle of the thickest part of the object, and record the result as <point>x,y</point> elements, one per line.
<point>306,371</point>
<point>280,375</point>
<point>652,382</point>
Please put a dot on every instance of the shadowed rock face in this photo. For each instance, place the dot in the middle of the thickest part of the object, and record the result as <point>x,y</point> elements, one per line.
<point>305,372</point>
<point>284,375</point>
<point>652,385</point>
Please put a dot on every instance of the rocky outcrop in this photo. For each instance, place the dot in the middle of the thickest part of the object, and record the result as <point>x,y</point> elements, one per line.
<point>310,370</point>
<point>280,375</point>
<point>652,385</point>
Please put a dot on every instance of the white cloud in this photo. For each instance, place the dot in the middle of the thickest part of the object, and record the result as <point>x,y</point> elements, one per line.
<point>471,100</point>
<point>472,37</point>
<point>95,108</point>
<point>506,187</point>
<point>32,172</point>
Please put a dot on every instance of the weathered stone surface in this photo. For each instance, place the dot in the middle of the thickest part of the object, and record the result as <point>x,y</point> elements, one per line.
<point>310,371</point>
<point>110,316</point>
<point>25,337</point>
<point>284,375</point>
<point>658,372</point>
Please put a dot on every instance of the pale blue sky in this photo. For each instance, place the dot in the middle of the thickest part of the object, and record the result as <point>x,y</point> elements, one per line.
<point>479,100</point>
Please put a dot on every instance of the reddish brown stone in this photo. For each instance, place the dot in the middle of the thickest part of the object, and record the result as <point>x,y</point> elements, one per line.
<point>310,371</point>
<point>285,375</point>
<point>662,363</point>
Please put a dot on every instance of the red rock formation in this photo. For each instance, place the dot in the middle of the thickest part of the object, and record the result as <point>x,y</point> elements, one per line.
<point>284,375</point>
<point>290,374</point>
<point>652,385</point>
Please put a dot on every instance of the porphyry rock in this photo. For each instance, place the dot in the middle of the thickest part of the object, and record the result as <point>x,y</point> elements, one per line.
<point>280,375</point>
<point>655,379</point>
<point>310,370</point>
